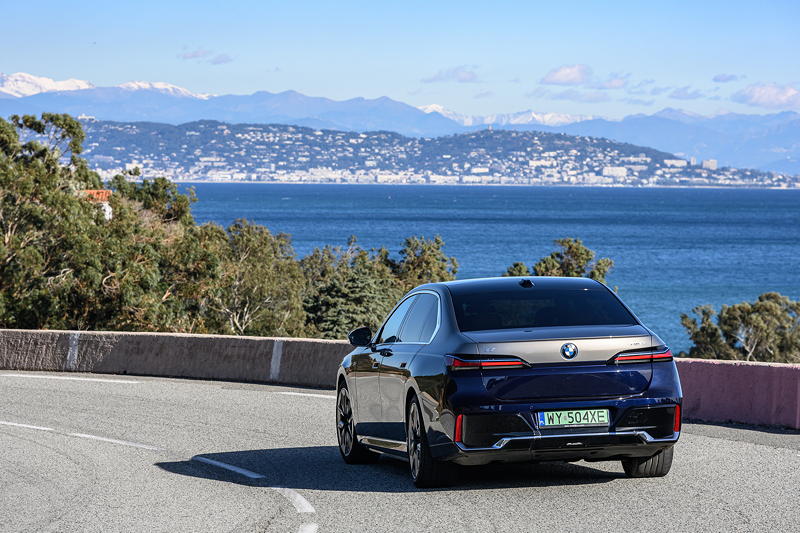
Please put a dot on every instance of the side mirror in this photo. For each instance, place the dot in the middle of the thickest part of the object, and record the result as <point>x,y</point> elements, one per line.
<point>360,336</point>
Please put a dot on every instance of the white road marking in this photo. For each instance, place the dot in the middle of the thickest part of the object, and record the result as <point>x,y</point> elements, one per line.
<point>226,466</point>
<point>81,435</point>
<point>25,426</point>
<point>309,394</point>
<point>300,504</point>
<point>69,378</point>
<point>308,528</point>
<point>114,441</point>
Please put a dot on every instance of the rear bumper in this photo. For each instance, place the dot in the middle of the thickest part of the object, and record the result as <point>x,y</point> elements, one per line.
<point>575,439</point>
<point>639,427</point>
<point>569,446</point>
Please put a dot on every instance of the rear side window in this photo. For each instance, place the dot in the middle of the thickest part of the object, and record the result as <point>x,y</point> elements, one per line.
<point>391,329</point>
<point>537,308</point>
<point>422,318</point>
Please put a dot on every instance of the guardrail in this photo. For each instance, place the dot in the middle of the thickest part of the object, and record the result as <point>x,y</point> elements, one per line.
<point>714,391</point>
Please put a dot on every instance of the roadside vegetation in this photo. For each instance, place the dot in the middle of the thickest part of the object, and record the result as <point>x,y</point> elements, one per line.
<point>572,259</point>
<point>151,267</point>
<point>766,330</point>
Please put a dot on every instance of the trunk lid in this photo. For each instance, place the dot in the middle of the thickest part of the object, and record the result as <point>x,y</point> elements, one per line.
<point>551,375</point>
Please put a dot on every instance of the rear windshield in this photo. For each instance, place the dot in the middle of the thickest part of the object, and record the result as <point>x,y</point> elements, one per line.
<point>536,308</point>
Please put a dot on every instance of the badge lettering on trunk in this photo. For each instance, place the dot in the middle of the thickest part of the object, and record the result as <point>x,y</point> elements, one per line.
<point>569,350</point>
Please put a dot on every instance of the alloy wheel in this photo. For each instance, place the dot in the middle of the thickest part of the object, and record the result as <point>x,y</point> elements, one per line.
<point>344,422</point>
<point>414,440</point>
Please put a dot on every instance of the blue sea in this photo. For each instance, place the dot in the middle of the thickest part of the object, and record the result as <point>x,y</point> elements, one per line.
<point>673,249</point>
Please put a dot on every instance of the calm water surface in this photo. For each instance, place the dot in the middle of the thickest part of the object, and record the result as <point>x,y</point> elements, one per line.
<point>673,249</point>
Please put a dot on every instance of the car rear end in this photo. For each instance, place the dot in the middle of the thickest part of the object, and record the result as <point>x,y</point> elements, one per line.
<point>556,369</point>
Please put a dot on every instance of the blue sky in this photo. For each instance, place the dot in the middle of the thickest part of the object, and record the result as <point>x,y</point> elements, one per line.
<point>603,58</point>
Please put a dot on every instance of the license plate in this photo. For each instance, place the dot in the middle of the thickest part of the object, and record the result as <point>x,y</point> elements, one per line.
<point>573,418</point>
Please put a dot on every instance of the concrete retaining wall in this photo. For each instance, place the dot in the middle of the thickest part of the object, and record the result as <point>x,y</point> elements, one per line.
<point>736,391</point>
<point>309,362</point>
<point>716,391</point>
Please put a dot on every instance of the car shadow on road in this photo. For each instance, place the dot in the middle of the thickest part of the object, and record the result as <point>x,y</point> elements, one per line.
<point>322,468</point>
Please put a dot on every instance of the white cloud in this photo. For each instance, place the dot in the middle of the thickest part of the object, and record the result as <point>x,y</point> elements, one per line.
<point>460,74</point>
<point>725,78</point>
<point>686,93</point>
<point>220,59</point>
<point>484,94</point>
<point>614,81</point>
<point>640,87</point>
<point>568,75</point>
<point>205,56</point>
<point>195,54</point>
<point>769,95</point>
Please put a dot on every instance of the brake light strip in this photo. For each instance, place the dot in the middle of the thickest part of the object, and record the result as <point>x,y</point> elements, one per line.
<point>663,356</point>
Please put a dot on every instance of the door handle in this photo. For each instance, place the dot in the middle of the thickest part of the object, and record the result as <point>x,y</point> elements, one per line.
<point>375,364</point>
<point>386,352</point>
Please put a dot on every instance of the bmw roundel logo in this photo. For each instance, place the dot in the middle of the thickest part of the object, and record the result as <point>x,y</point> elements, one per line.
<point>569,350</point>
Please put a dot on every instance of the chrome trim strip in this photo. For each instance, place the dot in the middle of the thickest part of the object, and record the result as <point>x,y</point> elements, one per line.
<point>559,338</point>
<point>386,444</point>
<point>645,436</point>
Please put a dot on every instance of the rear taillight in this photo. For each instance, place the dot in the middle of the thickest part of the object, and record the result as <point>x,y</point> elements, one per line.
<point>676,426</point>
<point>638,357</point>
<point>460,363</point>
<point>459,427</point>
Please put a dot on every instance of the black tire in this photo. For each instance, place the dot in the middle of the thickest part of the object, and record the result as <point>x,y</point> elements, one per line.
<point>425,470</point>
<point>353,452</point>
<point>656,466</point>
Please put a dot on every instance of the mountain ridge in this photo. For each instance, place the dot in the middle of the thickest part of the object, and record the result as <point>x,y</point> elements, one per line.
<point>767,142</point>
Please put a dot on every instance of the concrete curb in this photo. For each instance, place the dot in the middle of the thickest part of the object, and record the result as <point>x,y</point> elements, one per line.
<point>715,391</point>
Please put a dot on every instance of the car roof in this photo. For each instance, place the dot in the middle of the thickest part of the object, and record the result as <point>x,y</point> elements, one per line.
<point>508,282</point>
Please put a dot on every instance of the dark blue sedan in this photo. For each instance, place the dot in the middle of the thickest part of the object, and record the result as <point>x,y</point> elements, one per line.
<point>509,369</point>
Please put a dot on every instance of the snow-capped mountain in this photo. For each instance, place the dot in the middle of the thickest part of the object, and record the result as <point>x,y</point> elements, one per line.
<point>507,119</point>
<point>769,142</point>
<point>162,87</point>
<point>464,120</point>
<point>22,84</point>
<point>532,117</point>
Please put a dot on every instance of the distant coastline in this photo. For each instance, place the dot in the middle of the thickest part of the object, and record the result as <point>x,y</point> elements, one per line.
<point>216,151</point>
<point>474,185</point>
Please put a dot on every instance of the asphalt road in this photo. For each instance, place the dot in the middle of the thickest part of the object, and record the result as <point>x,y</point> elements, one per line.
<point>120,453</point>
